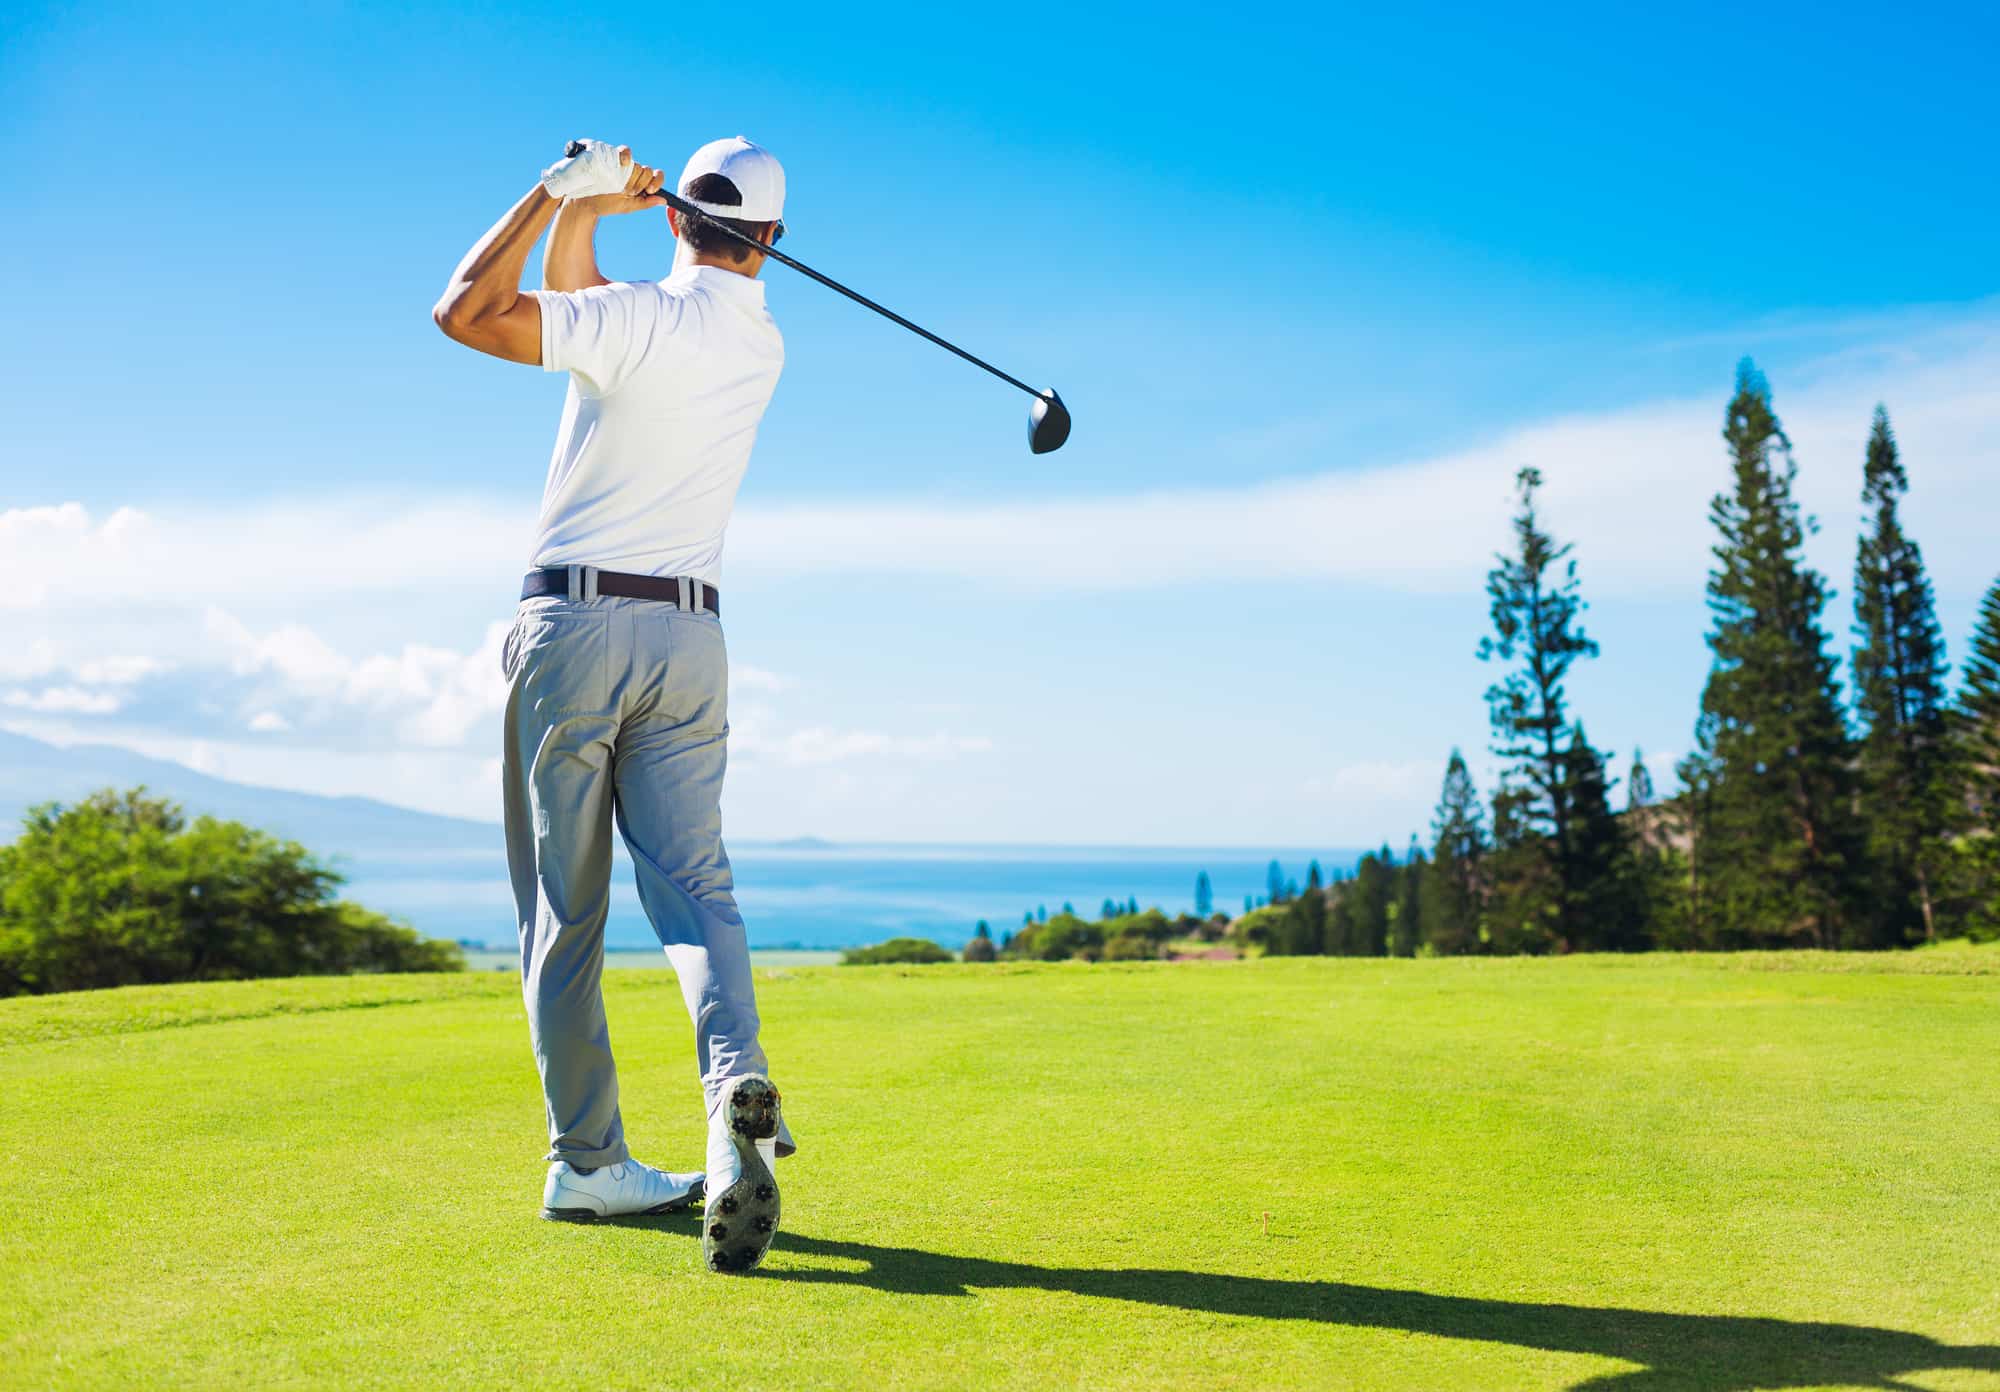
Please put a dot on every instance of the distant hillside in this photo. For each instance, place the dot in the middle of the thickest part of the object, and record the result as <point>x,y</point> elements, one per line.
<point>32,772</point>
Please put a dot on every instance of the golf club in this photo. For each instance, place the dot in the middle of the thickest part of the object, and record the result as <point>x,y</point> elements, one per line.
<point>1048,418</point>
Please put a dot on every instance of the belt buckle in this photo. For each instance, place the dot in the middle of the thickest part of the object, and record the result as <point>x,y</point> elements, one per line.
<point>582,583</point>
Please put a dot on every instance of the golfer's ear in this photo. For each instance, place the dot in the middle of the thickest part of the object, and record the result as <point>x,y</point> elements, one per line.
<point>674,221</point>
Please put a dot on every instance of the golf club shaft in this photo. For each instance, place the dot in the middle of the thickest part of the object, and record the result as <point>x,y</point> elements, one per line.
<point>687,209</point>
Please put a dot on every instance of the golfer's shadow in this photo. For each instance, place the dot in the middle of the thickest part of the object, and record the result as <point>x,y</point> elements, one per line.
<point>1673,1351</point>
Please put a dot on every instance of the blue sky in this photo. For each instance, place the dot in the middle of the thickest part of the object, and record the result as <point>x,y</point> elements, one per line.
<point>1314,286</point>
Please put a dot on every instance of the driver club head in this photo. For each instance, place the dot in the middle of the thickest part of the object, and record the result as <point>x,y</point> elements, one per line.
<point>1048,423</point>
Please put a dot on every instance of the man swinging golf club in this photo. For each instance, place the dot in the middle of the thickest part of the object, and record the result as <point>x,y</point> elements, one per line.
<point>618,699</point>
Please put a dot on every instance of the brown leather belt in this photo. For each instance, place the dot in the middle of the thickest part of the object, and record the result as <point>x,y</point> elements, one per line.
<point>588,582</point>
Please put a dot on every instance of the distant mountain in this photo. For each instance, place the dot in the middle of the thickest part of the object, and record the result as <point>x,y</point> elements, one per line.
<point>359,828</point>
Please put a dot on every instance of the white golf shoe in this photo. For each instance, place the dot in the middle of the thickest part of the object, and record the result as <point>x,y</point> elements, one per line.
<point>612,1191</point>
<point>741,1213</point>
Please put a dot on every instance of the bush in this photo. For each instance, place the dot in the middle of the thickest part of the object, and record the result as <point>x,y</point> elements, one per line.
<point>980,950</point>
<point>1130,947</point>
<point>1061,938</point>
<point>121,890</point>
<point>1259,926</point>
<point>894,950</point>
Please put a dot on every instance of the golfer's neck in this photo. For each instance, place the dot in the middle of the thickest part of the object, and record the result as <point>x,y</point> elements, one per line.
<point>748,267</point>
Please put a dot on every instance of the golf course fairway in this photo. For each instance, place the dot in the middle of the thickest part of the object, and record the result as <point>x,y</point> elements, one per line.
<point>1636,1173</point>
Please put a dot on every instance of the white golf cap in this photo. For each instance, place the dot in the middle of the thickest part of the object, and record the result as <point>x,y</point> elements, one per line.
<point>754,170</point>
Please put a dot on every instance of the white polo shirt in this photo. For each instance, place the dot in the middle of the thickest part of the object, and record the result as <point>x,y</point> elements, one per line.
<point>668,381</point>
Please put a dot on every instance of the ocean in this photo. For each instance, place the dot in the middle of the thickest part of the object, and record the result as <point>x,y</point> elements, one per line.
<point>825,896</point>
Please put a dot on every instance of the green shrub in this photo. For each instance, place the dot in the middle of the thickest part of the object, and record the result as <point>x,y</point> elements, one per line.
<point>1256,928</point>
<point>980,950</point>
<point>122,890</point>
<point>894,950</point>
<point>1061,938</point>
<point>1130,947</point>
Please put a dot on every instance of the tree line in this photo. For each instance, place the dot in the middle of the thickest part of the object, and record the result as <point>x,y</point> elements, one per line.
<point>1805,817</point>
<point>121,889</point>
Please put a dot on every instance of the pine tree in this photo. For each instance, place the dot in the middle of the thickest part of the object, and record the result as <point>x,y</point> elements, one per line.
<point>1450,920</point>
<point>1371,891</point>
<point>1303,930</point>
<point>1274,882</point>
<point>1780,847</point>
<point>1977,720</point>
<point>1899,676</point>
<point>1204,895</point>
<point>1606,875</point>
<point>1686,922</point>
<point>1536,608</point>
<point>1407,932</point>
<point>1638,784</point>
<point>980,949</point>
<point>1978,710</point>
<point>1522,895</point>
<point>1658,869</point>
<point>1342,934</point>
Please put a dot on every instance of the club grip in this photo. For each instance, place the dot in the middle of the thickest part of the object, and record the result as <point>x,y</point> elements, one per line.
<point>575,148</point>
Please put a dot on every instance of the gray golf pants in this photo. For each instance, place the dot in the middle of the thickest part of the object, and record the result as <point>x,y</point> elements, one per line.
<point>618,710</point>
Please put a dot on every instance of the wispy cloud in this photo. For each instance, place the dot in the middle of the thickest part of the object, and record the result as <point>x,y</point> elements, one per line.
<point>62,700</point>
<point>1631,486</point>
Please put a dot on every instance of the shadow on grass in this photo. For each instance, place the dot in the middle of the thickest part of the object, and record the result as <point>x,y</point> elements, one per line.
<point>1711,1352</point>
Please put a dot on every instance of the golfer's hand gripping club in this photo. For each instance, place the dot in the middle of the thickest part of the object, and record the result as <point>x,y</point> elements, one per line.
<point>1048,418</point>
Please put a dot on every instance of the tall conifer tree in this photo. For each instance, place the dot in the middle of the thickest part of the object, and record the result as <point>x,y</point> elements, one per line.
<point>1536,607</point>
<point>1451,906</point>
<point>1899,676</point>
<point>1412,876</point>
<point>1780,847</point>
<point>1606,884</point>
<point>1978,722</point>
<point>1691,921</point>
<point>1658,867</point>
<point>1978,709</point>
<point>1638,784</point>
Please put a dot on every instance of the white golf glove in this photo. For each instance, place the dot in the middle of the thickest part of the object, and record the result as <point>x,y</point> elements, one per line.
<point>597,170</point>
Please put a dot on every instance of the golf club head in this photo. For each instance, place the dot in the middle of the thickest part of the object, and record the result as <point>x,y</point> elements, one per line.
<point>1048,423</point>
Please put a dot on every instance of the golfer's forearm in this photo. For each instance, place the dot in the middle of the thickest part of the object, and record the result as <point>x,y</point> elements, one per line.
<point>487,283</point>
<point>569,262</point>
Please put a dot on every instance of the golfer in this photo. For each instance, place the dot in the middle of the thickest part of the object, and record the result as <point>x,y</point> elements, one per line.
<point>617,711</point>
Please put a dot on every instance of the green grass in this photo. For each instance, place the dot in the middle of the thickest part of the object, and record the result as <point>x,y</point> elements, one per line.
<point>1746,1172</point>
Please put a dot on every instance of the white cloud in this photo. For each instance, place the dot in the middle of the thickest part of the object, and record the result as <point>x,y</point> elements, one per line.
<point>118,670</point>
<point>63,700</point>
<point>429,696</point>
<point>1631,486</point>
<point>269,723</point>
